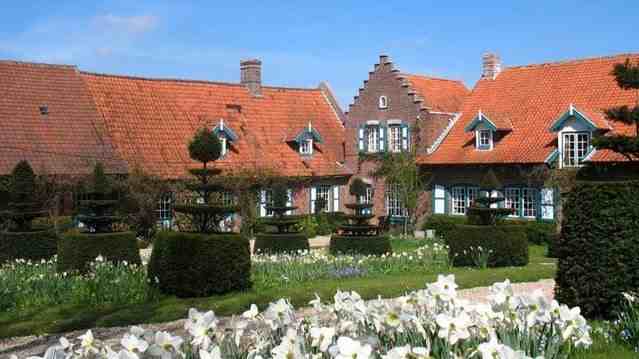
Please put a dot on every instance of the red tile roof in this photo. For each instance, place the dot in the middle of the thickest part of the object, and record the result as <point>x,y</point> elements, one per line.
<point>531,98</point>
<point>441,95</point>
<point>151,122</point>
<point>69,139</point>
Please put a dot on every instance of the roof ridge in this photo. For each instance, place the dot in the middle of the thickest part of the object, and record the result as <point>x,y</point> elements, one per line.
<point>37,64</point>
<point>572,61</point>
<point>431,77</point>
<point>178,80</point>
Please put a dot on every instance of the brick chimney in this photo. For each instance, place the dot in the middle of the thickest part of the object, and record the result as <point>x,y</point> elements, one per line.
<point>251,76</point>
<point>491,66</point>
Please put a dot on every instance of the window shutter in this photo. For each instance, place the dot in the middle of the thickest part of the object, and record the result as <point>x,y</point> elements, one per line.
<point>547,203</point>
<point>446,200</point>
<point>313,198</point>
<point>439,199</point>
<point>361,147</point>
<point>405,137</point>
<point>263,203</point>
<point>335,198</point>
<point>382,138</point>
<point>289,201</point>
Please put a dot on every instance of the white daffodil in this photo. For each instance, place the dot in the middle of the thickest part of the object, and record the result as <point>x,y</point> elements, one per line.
<point>289,347</point>
<point>134,344</point>
<point>165,345</point>
<point>406,352</point>
<point>322,337</point>
<point>251,313</point>
<point>87,344</point>
<point>445,288</point>
<point>453,328</point>
<point>347,348</point>
<point>205,324</point>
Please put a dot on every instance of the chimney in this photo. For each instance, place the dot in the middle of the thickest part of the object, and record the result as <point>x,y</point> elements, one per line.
<point>491,66</point>
<point>251,75</point>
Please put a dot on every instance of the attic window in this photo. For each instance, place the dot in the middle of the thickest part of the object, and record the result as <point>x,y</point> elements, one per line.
<point>484,139</point>
<point>383,102</point>
<point>44,110</point>
<point>306,147</point>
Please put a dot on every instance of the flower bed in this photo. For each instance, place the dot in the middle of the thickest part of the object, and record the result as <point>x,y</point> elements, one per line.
<point>284,269</point>
<point>26,284</point>
<point>429,323</point>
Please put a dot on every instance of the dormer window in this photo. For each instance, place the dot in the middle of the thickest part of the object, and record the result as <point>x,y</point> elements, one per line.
<point>306,147</point>
<point>484,139</point>
<point>574,130</point>
<point>226,136</point>
<point>383,102</point>
<point>575,149</point>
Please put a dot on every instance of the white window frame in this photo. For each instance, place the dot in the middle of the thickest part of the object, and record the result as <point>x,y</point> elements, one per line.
<point>165,210</point>
<point>547,204</point>
<point>482,145</point>
<point>394,205</point>
<point>224,143</point>
<point>382,102</point>
<point>439,199</point>
<point>512,199</point>
<point>306,147</point>
<point>529,196</point>
<point>372,138</point>
<point>573,156</point>
<point>330,192</point>
<point>266,200</point>
<point>395,138</point>
<point>461,198</point>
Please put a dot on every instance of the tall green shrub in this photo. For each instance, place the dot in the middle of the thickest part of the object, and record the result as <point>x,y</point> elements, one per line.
<point>598,248</point>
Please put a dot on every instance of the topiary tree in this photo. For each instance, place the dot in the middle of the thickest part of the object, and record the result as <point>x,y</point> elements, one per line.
<point>627,77</point>
<point>206,215</point>
<point>23,206</point>
<point>97,212</point>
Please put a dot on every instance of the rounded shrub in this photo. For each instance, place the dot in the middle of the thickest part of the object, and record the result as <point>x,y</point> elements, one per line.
<point>76,250</point>
<point>200,265</point>
<point>280,243</point>
<point>508,245</point>
<point>598,247</point>
<point>443,224</point>
<point>33,245</point>
<point>367,245</point>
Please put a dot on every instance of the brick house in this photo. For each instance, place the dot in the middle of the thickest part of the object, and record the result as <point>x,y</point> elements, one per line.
<point>147,123</point>
<point>525,123</point>
<point>396,112</point>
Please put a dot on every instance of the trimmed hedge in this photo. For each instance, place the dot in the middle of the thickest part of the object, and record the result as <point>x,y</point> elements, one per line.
<point>200,265</point>
<point>367,245</point>
<point>508,244</point>
<point>539,233</point>
<point>76,250</point>
<point>35,245</point>
<point>280,242</point>
<point>598,249</point>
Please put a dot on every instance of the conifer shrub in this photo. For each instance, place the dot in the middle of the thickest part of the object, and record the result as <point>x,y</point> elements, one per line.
<point>21,239</point>
<point>598,247</point>
<point>199,265</point>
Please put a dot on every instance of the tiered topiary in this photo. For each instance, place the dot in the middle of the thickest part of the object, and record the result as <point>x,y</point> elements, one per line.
<point>76,249</point>
<point>485,234</point>
<point>358,236</point>
<point>285,238</point>
<point>204,262</point>
<point>22,239</point>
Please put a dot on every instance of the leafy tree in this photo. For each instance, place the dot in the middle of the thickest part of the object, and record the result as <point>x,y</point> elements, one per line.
<point>627,77</point>
<point>401,169</point>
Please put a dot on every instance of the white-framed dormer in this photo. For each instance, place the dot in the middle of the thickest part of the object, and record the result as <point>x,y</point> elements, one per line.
<point>484,130</point>
<point>484,139</point>
<point>574,138</point>
<point>306,140</point>
<point>226,136</point>
<point>382,102</point>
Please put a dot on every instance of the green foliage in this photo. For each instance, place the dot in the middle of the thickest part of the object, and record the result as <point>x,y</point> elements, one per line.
<point>37,285</point>
<point>205,146</point>
<point>23,183</point>
<point>280,243</point>
<point>627,324</point>
<point>23,207</point>
<point>598,246</point>
<point>101,183</point>
<point>627,77</point>
<point>507,244</point>
<point>280,194</point>
<point>77,250</point>
<point>198,265</point>
<point>374,245</point>
<point>35,245</point>
<point>358,187</point>
<point>443,224</point>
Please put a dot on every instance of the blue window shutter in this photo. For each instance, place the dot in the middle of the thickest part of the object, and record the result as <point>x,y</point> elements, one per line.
<point>382,138</point>
<point>447,201</point>
<point>405,137</point>
<point>361,134</point>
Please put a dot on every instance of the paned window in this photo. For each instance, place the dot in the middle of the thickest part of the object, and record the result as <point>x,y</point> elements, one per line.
<point>395,138</point>
<point>165,210</point>
<point>394,205</point>
<point>462,198</point>
<point>529,198</point>
<point>324,192</point>
<point>576,145</point>
<point>306,147</point>
<point>372,136</point>
<point>512,199</point>
<point>484,139</point>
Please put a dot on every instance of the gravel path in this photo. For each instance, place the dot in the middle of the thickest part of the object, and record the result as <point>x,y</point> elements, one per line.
<point>36,345</point>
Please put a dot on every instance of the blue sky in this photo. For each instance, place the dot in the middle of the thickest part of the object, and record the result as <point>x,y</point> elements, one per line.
<point>302,43</point>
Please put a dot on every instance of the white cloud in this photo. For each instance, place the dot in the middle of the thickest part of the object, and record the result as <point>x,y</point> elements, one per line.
<point>137,24</point>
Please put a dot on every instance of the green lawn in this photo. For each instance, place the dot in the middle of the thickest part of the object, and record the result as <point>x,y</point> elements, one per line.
<point>63,318</point>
